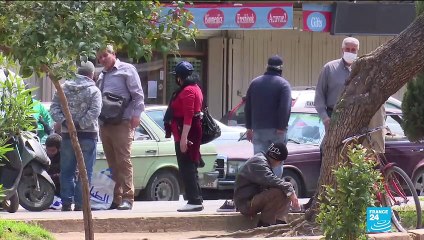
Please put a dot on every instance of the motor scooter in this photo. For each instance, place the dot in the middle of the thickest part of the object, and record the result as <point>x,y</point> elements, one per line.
<point>36,188</point>
<point>10,174</point>
<point>23,175</point>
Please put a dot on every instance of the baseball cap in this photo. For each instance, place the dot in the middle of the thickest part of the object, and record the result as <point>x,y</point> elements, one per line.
<point>277,151</point>
<point>183,69</point>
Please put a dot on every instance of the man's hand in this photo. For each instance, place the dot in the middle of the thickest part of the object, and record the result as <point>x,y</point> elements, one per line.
<point>135,121</point>
<point>249,135</point>
<point>295,202</point>
<point>326,124</point>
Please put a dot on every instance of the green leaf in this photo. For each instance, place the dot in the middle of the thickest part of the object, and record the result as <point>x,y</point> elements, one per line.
<point>79,25</point>
<point>26,71</point>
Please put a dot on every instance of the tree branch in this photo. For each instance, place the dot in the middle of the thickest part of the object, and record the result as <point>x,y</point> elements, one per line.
<point>5,49</point>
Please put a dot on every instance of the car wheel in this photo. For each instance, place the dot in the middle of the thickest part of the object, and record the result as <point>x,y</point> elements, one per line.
<point>163,186</point>
<point>292,177</point>
<point>418,181</point>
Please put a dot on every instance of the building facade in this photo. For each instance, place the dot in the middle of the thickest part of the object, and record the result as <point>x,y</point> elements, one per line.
<point>227,60</point>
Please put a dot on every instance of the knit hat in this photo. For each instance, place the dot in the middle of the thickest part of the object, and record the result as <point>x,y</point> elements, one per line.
<point>183,69</point>
<point>277,151</point>
<point>86,68</point>
<point>275,62</point>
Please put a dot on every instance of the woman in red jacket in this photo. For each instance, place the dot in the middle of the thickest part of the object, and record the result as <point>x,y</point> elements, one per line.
<point>183,120</point>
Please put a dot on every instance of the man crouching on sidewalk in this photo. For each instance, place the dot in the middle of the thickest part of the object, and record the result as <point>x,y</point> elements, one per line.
<point>259,190</point>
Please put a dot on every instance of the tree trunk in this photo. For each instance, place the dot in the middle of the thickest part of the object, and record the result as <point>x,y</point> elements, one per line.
<point>374,78</point>
<point>88,220</point>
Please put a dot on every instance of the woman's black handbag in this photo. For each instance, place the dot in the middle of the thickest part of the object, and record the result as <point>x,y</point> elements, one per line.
<point>210,130</point>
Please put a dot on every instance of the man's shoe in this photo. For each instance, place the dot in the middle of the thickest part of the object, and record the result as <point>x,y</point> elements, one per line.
<point>66,207</point>
<point>191,208</point>
<point>113,206</point>
<point>228,206</point>
<point>125,205</point>
<point>280,222</point>
<point>263,224</point>
<point>78,208</point>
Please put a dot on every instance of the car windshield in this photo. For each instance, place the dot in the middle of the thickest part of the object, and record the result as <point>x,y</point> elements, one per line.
<point>305,128</point>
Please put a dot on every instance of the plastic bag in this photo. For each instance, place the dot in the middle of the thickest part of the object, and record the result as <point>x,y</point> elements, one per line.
<point>101,190</point>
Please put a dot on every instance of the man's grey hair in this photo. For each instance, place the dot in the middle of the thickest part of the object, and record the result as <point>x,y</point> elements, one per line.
<point>108,48</point>
<point>350,40</point>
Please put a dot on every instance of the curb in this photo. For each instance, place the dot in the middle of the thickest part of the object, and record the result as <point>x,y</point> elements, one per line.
<point>175,224</point>
<point>225,222</point>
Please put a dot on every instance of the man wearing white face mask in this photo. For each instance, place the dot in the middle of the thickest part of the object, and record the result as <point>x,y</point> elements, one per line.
<point>331,81</point>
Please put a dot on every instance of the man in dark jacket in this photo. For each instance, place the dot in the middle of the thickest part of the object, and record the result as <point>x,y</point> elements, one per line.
<point>258,189</point>
<point>268,107</point>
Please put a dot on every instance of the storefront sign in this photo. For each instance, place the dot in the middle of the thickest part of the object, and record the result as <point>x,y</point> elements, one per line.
<point>241,15</point>
<point>316,17</point>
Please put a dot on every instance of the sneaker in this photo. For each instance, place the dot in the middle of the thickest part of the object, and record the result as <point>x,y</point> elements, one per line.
<point>191,208</point>
<point>125,205</point>
<point>228,206</point>
<point>66,207</point>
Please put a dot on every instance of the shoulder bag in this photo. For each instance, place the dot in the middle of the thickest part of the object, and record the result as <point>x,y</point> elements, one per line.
<point>113,106</point>
<point>210,130</point>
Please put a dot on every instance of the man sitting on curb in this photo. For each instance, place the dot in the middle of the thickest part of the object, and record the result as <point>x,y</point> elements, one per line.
<point>259,190</point>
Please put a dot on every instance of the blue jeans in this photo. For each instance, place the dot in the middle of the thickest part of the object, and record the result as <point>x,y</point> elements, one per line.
<point>70,187</point>
<point>262,138</point>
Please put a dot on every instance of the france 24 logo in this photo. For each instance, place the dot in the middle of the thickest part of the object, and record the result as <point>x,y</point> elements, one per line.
<point>379,219</point>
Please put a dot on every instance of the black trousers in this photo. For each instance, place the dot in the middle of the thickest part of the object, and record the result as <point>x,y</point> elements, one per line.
<point>190,177</point>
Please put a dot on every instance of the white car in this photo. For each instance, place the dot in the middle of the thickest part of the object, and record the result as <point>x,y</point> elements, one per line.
<point>228,134</point>
<point>300,99</point>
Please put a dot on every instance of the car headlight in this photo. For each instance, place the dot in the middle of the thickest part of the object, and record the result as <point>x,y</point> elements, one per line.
<point>234,167</point>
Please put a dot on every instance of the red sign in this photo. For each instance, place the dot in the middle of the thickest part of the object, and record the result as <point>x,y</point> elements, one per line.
<point>277,17</point>
<point>245,18</point>
<point>214,18</point>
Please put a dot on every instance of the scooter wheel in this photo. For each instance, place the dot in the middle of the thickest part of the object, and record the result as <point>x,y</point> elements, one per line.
<point>12,204</point>
<point>32,199</point>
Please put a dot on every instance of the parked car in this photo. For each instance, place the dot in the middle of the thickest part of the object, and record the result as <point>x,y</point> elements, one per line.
<point>302,166</point>
<point>300,98</point>
<point>155,164</point>
<point>229,134</point>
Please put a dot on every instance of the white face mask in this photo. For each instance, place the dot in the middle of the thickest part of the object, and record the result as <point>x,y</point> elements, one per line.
<point>349,57</point>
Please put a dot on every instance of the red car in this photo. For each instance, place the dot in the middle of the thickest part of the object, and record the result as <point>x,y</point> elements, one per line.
<point>302,166</point>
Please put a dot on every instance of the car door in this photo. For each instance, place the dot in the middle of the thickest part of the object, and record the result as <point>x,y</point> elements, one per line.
<point>144,152</point>
<point>405,154</point>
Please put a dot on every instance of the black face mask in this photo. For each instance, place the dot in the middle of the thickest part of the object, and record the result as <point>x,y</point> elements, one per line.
<point>178,82</point>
